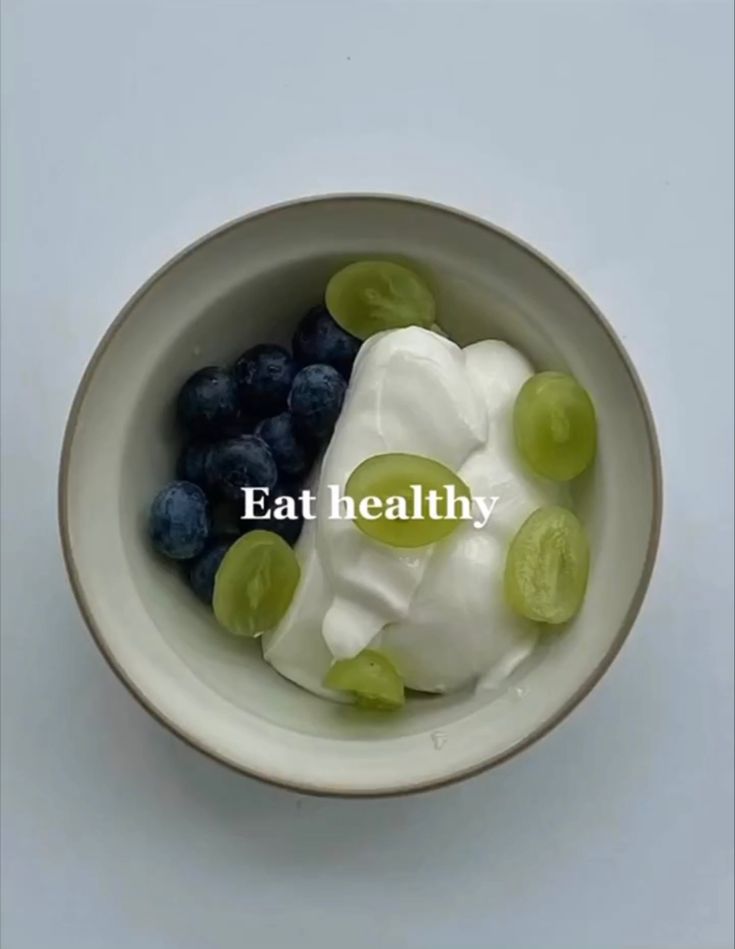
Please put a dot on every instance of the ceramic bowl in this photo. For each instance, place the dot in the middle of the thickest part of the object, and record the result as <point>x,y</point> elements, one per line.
<point>249,282</point>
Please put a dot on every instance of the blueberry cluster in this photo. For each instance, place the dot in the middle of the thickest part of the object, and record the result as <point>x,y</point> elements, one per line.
<point>258,423</point>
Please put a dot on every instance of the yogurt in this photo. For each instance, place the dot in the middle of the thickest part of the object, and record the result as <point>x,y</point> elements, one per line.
<point>438,612</point>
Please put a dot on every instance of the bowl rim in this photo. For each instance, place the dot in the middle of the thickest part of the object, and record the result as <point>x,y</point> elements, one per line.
<point>201,746</point>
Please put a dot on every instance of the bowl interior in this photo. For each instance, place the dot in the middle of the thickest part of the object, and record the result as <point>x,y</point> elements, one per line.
<point>249,283</point>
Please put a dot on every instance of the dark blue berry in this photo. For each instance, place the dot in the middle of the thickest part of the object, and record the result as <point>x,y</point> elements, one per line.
<point>315,400</point>
<point>291,454</point>
<point>191,465</point>
<point>320,339</point>
<point>241,462</point>
<point>201,572</point>
<point>207,403</point>
<point>264,375</point>
<point>179,521</point>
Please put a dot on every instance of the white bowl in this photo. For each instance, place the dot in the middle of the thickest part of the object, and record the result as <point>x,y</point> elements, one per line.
<point>248,282</point>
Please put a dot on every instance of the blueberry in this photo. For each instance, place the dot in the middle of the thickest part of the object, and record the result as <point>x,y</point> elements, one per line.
<point>179,520</point>
<point>201,572</point>
<point>241,462</point>
<point>207,403</point>
<point>315,400</point>
<point>291,454</point>
<point>320,339</point>
<point>264,375</point>
<point>191,465</point>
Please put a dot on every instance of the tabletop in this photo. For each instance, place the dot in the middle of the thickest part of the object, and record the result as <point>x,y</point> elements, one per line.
<point>600,132</point>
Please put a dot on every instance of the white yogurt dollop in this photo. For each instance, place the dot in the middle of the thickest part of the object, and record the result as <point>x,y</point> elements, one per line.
<point>438,611</point>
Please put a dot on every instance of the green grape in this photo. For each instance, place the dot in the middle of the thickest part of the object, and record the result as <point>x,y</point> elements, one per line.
<point>371,676</point>
<point>402,483</point>
<point>547,565</point>
<point>255,583</point>
<point>374,295</point>
<point>555,426</point>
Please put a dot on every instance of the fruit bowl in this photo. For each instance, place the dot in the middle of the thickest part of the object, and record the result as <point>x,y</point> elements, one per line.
<point>250,281</point>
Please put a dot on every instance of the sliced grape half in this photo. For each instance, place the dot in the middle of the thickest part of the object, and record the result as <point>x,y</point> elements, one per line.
<point>371,676</point>
<point>388,490</point>
<point>374,295</point>
<point>255,583</point>
<point>547,565</point>
<point>555,425</point>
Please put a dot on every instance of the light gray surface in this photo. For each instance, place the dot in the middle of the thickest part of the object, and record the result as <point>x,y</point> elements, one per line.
<point>602,134</point>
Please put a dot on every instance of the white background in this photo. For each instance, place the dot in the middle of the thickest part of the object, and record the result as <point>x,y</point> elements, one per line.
<point>600,132</point>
